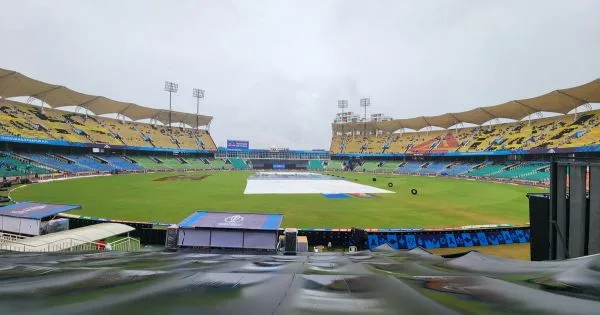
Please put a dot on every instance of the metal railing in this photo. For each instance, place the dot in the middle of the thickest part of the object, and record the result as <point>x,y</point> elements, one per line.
<point>127,244</point>
<point>9,237</point>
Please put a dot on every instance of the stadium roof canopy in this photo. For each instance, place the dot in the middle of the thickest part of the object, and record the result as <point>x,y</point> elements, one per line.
<point>15,84</point>
<point>558,101</point>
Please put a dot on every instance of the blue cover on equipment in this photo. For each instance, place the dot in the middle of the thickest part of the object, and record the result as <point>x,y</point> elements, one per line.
<point>336,196</point>
<point>35,210</point>
<point>232,220</point>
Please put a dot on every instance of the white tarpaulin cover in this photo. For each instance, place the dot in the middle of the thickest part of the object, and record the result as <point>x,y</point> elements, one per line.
<point>305,183</point>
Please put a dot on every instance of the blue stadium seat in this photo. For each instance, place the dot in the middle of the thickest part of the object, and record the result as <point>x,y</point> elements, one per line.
<point>122,163</point>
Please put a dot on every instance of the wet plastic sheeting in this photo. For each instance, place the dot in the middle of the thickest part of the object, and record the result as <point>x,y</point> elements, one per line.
<point>191,237</point>
<point>224,238</point>
<point>390,282</point>
<point>577,211</point>
<point>594,216</point>
<point>259,239</point>
<point>559,214</point>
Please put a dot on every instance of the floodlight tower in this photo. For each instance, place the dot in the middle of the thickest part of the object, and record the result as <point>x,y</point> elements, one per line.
<point>342,104</point>
<point>197,94</point>
<point>171,88</point>
<point>364,103</point>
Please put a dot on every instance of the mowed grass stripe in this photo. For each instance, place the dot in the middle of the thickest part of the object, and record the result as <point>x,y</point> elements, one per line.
<point>440,202</point>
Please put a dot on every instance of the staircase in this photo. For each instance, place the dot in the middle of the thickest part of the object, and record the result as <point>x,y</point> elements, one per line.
<point>199,142</point>
<point>5,130</point>
<point>174,140</point>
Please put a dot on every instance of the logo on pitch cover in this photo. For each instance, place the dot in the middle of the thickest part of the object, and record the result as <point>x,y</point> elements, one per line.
<point>29,209</point>
<point>234,220</point>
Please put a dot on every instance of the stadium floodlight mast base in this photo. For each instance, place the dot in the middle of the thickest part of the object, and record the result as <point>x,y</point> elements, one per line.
<point>171,88</point>
<point>364,103</point>
<point>197,94</point>
<point>342,104</point>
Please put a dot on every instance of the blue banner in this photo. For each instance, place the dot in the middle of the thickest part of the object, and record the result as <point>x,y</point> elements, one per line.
<point>165,150</point>
<point>225,150</point>
<point>449,239</point>
<point>7,138</point>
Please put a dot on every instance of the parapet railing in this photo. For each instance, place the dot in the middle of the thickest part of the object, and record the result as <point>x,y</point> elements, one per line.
<point>9,237</point>
<point>127,244</point>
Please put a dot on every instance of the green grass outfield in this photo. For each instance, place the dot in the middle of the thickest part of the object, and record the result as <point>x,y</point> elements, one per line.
<point>441,202</point>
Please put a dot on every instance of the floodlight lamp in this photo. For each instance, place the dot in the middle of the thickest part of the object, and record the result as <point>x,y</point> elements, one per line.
<point>365,102</point>
<point>198,93</point>
<point>171,87</point>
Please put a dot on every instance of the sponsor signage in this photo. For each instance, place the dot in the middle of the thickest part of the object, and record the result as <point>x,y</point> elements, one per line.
<point>450,238</point>
<point>232,221</point>
<point>238,144</point>
<point>7,138</point>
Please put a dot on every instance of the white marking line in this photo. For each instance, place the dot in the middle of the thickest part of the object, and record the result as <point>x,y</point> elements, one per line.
<point>307,186</point>
<point>70,177</point>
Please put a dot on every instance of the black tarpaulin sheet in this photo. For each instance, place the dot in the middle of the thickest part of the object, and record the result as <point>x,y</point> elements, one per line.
<point>412,282</point>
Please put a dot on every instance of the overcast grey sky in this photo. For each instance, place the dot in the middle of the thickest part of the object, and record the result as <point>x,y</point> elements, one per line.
<point>274,70</point>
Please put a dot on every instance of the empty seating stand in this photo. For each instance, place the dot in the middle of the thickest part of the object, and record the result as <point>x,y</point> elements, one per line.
<point>486,170</point>
<point>315,165</point>
<point>409,167</point>
<point>458,169</point>
<point>564,131</point>
<point>92,163</point>
<point>334,165</point>
<point>389,166</point>
<point>219,164</point>
<point>433,168</point>
<point>55,163</point>
<point>239,163</point>
<point>123,163</point>
<point>19,119</point>
<point>10,167</point>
